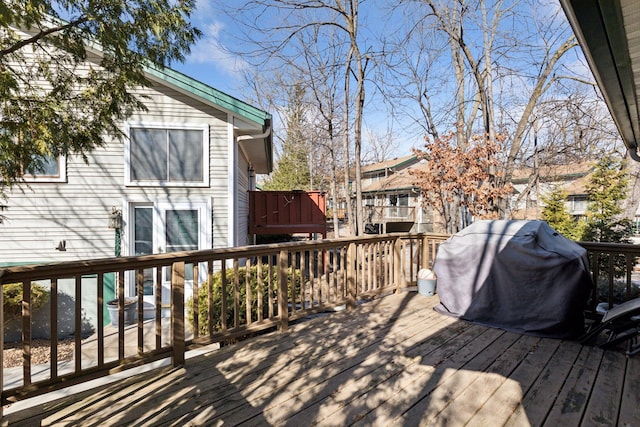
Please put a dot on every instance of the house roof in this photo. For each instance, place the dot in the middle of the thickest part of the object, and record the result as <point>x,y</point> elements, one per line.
<point>609,34</point>
<point>549,173</point>
<point>259,150</point>
<point>396,163</point>
<point>573,178</point>
<point>209,93</point>
<point>401,180</point>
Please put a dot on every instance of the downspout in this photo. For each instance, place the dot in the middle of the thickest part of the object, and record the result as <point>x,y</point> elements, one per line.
<point>633,153</point>
<point>254,137</point>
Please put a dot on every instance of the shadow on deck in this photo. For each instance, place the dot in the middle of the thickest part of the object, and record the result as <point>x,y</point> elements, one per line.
<point>391,361</point>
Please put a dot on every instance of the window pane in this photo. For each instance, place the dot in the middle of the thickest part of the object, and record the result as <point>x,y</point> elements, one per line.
<point>49,166</point>
<point>182,230</point>
<point>143,245</point>
<point>143,230</point>
<point>148,154</point>
<point>185,159</point>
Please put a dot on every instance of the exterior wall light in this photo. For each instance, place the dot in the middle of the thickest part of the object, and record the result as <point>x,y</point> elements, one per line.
<point>115,218</point>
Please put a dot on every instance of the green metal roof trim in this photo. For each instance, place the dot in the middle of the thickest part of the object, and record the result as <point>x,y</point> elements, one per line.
<point>211,94</point>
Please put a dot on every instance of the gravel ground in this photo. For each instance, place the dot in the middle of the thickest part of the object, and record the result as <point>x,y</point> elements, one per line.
<point>12,355</point>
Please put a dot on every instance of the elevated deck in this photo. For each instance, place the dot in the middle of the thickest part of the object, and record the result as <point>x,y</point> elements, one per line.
<point>391,361</point>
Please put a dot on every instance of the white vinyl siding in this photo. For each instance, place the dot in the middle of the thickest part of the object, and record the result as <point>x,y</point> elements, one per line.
<point>40,216</point>
<point>242,202</point>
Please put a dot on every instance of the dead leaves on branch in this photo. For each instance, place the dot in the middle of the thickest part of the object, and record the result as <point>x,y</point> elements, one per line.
<point>468,176</point>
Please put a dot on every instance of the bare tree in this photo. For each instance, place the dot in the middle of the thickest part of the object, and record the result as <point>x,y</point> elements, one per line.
<point>505,58</point>
<point>281,26</point>
<point>379,146</point>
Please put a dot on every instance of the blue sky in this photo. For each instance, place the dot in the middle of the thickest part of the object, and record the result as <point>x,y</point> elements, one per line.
<point>210,63</point>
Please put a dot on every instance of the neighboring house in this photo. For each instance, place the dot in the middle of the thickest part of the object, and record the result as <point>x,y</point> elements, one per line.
<point>178,181</point>
<point>392,201</point>
<point>571,178</point>
<point>370,175</point>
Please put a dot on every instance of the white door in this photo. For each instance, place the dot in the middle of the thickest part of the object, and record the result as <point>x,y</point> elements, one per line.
<point>169,227</point>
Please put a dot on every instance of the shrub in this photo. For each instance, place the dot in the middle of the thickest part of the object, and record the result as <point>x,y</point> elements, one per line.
<point>216,296</point>
<point>12,299</point>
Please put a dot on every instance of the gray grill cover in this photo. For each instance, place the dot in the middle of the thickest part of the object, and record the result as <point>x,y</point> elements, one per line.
<point>521,276</point>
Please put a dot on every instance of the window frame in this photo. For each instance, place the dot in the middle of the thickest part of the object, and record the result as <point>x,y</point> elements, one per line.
<point>61,177</point>
<point>204,128</point>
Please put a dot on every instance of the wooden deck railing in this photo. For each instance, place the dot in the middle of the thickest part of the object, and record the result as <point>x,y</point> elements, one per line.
<point>242,291</point>
<point>612,267</point>
<point>377,214</point>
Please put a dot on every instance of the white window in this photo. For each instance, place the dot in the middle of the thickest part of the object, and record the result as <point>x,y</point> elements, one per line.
<point>52,170</point>
<point>167,155</point>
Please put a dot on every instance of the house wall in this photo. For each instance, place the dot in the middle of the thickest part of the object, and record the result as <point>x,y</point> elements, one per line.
<point>242,202</point>
<point>41,215</point>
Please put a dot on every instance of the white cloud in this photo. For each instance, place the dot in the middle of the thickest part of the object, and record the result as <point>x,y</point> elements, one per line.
<point>210,50</point>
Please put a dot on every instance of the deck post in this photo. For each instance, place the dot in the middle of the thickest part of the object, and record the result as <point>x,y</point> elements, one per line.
<point>351,276</point>
<point>283,294</point>
<point>397,264</point>
<point>177,312</point>
<point>425,253</point>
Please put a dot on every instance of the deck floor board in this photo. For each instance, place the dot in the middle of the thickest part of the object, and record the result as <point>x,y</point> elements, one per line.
<point>391,361</point>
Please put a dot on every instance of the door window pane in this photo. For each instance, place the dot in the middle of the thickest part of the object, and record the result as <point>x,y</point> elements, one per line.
<point>143,244</point>
<point>182,230</point>
<point>182,234</point>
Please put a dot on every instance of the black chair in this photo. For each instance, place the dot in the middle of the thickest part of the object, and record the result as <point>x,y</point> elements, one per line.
<point>620,323</point>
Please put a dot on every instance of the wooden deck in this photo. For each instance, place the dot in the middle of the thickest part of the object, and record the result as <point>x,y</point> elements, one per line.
<point>392,361</point>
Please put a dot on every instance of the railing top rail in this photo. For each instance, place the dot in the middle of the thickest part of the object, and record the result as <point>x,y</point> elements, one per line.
<point>107,265</point>
<point>608,247</point>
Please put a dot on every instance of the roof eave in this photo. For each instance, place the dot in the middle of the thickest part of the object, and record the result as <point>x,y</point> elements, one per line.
<point>599,29</point>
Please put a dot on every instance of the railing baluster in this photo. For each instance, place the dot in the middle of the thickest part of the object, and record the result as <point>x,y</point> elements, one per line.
<point>140,309</point>
<point>78,324</point>
<point>121,338</point>
<point>196,301</point>
<point>26,332</point>
<point>210,311</point>
<point>100,321</point>
<point>596,275</point>
<point>304,258</point>
<point>270,285</point>
<point>292,279</point>
<point>611,276</point>
<point>53,328</point>
<point>629,264</point>
<point>158,305</point>
<point>223,295</point>
<point>236,294</point>
<point>260,289</point>
<point>248,293</point>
